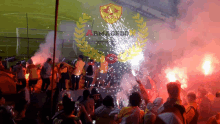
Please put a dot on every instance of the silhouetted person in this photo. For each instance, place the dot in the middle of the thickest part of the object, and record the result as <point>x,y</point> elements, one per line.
<point>173,106</point>
<point>192,113</point>
<point>76,74</point>
<point>46,73</point>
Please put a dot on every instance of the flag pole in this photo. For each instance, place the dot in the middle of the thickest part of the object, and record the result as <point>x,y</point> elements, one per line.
<point>54,52</point>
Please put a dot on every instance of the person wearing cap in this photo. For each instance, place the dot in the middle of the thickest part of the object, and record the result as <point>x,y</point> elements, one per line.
<point>173,104</point>
<point>76,74</point>
<point>46,73</point>
<point>33,76</point>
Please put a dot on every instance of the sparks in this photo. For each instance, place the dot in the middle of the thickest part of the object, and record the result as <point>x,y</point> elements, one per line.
<point>121,43</point>
<point>133,72</point>
<point>137,60</point>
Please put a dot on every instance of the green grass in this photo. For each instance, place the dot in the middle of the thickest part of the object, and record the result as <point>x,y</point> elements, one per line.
<point>40,13</point>
<point>41,16</point>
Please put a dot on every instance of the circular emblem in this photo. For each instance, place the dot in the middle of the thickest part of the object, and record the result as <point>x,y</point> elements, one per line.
<point>128,54</point>
<point>111,58</point>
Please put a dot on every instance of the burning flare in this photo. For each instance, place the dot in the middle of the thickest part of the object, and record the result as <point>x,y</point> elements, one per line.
<point>177,74</point>
<point>27,76</point>
<point>171,76</point>
<point>206,67</point>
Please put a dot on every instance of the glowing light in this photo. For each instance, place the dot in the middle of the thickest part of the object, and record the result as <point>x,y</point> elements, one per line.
<point>137,60</point>
<point>27,76</point>
<point>133,72</point>
<point>171,77</point>
<point>177,74</point>
<point>206,66</point>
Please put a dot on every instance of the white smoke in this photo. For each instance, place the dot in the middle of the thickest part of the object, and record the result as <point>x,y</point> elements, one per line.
<point>64,36</point>
<point>46,50</point>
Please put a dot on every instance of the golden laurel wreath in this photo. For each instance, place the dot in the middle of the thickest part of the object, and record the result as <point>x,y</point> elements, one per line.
<point>128,54</point>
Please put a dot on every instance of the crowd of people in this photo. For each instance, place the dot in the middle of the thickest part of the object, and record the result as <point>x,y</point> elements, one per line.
<point>91,108</point>
<point>64,74</point>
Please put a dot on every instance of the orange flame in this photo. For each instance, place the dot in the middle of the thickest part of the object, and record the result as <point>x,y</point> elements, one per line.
<point>27,76</point>
<point>177,74</point>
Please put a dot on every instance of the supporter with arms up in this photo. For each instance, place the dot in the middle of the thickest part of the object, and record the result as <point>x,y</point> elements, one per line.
<point>144,92</point>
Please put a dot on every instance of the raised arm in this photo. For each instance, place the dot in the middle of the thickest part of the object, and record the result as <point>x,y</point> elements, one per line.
<point>143,92</point>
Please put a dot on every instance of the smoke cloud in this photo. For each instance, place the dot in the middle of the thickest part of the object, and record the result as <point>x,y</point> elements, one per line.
<point>46,50</point>
<point>186,47</point>
<point>65,36</point>
<point>195,37</point>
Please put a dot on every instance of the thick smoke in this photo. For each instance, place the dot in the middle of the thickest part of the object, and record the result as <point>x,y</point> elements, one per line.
<point>195,36</point>
<point>194,41</point>
<point>46,50</point>
<point>186,47</point>
<point>64,36</point>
